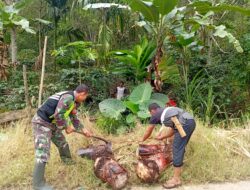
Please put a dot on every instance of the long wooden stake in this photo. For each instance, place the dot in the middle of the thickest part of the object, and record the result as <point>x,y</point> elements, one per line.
<point>42,75</point>
<point>26,90</point>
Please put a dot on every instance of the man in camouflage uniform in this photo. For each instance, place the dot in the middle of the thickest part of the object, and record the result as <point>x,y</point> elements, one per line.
<point>57,113</point>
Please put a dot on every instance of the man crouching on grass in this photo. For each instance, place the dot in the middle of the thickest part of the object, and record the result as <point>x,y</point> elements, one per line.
<point>57,113</point>
<point>181,124</point>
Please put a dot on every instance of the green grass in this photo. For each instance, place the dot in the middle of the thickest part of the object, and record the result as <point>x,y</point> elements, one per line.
<point>213,155</point>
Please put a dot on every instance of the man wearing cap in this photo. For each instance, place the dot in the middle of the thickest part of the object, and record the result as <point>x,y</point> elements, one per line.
<point>56,114</point>
<point>181,125</point>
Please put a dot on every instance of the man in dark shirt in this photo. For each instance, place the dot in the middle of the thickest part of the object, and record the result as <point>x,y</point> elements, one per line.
<point>168,117</point>
<point>57,113</point>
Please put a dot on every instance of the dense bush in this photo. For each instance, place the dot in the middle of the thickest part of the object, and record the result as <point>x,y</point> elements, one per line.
<point>99,80</point>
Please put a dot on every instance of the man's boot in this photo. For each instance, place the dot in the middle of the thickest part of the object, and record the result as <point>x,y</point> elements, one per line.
<point>65,155</point>
<point>38,177</point>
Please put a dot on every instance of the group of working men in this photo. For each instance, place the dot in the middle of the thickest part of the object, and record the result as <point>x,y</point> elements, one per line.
<point>59,112</point>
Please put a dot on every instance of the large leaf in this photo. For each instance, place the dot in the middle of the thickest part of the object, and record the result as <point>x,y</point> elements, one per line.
<point>24,23</point>
<point>46,22</point>
<point>134,62</point>
<point>147,9</point>
<point>111,108</point>
<point>165,6</point>
<point>141,93</point>
<point>168,69</point>
<point>105,5</point>
<point>205,6</point>
<point>131,106</point>
<point>144,106</point>
<point>232,8</point>
<point>10,10</point>
<point>160,99</point>
<point>143,114</point>
<point>222,33</point>
<point>130,118</point>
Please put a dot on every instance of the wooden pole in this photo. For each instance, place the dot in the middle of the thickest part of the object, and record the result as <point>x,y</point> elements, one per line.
<point>26,93</point>
<point>26,86</point>
<point>42,75</point>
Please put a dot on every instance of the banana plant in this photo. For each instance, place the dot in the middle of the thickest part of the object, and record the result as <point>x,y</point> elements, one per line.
<point>11,20</point>
<point>58,8</point>
<point>137,104</point>
<point>159,16</point>
<point>105,33</point>
<point>134,62</point>
<point>153,14</point>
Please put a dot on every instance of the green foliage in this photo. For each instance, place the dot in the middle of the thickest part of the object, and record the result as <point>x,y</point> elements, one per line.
<point>99,81</point>
<point>209,106</point>
<point>27,56</point>
<point>134,63</point>
<point>111,15</point>
<point>147,9</point>
<point>192,90</point>
<point>77,51</point>
<point>134,108</point>
<point>160,99</point>
<point>12,92</point>
<point>141,93</point>
<point>165,6</point>
<point>204,6</point>
<point>137,103</point>
<point>220,31</point>
<point>169,69</point>
<point>111,125</point>
<point>112,108</point>
<point>10,17</point>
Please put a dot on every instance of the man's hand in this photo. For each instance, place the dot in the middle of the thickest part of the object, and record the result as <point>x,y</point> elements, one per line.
<point>159,138</point>
<point>70,129</point>
<point>87,133</point>
<point>148,132</point>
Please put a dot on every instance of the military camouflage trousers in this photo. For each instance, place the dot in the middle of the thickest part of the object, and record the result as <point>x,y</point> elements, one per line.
<point>43,136</point>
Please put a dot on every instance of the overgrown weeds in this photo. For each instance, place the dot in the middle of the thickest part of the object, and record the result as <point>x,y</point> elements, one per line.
<point>213,155</point>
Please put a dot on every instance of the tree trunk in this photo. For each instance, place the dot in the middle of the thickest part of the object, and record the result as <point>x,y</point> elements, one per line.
<point>79,72</point>
<point>156,62</point>
<point>39,30</point>
<point>14,115</point>
<point>55,35</point>
<point>210,48</point>
<point>13,46</point>
<point>3,59</point>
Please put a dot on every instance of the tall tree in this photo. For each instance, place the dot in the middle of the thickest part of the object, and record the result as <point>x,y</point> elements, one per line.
<point>11,21</point>
<point>59,7</point>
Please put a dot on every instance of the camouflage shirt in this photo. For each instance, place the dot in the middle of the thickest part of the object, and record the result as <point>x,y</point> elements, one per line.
<point>65,115</point>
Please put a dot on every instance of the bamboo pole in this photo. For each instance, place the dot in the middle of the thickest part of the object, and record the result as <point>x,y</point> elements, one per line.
<point>26,89</point>
<point>42,75</point>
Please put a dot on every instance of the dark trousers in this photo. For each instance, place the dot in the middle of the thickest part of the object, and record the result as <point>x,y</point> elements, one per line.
<point>180,143</point>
